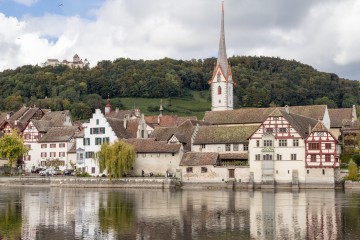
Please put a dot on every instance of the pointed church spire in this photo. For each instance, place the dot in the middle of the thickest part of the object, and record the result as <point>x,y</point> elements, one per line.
<point>222,57</point>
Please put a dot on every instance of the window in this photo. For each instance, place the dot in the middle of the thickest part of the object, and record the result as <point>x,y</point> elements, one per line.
<point>276,118</point>
<point>278,157</point>
<point>89,154</point>
<point>308,171</point>
<point>314,146</point>
<point>257,157</point>
<point>43,154</point>
<point>93,170</point>
<point>52,145</point>
<point>219,90</point>
<point>320,134</point>
<point>97,121</point>
<point>235,147</point>
<point>98,141</point>
<point>203,169</point>
<point>80,156</point>
<point>267,157</point>
<point>61,154</point>
<point>293,156</point>
<point>61,145</point>
<point>231,173</point>
<point>313,158</point>
<point>43,163</point>
<point>269,130</point>
<point>106,140</point>
<point>295,142</point>
<point>189,169</point>
<point>323,171</point>
<point>258,143</point>
<point>219,77</point>
<point>202,146</point>
<point>97,130</point>
<point>246,147</point>
<point>327,145</point>
<point>267,143</point>
<point>28,146</point>
<point>327,158</point>
<point>227,147</point>
<point>43,145</point>
<point>282,143</point>
<point>53,154</point>
<point>27,136</point>
<point>102,130</point>
<point>27,158</point>
<point>282,130</point>
<point>86,141</point>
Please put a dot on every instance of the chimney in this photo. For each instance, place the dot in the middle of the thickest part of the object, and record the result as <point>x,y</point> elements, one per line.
<point>16,122</point>
<point>8,115</point>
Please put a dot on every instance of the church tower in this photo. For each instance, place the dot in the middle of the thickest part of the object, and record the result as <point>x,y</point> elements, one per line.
<point>221,82</point>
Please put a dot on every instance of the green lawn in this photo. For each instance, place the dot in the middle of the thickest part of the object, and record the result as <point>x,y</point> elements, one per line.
<point>194,104</point>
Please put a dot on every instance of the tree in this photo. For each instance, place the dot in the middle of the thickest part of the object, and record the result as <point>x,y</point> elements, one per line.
<point>12,147</point>
<point>353,171</point>
<point>116,158</point>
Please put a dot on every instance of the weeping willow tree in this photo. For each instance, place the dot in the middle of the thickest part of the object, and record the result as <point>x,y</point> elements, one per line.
<point>116,158</point>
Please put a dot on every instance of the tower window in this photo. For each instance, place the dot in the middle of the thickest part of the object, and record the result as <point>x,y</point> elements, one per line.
<point>218,77</point>
<point>219,90</point>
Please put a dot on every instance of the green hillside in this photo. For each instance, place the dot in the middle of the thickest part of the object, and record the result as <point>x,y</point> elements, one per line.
<point>183,85</point>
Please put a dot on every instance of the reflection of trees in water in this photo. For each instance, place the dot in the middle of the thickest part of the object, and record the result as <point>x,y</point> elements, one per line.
<point>350,216</point>
<point>116,213</point>
<point>10,221</point>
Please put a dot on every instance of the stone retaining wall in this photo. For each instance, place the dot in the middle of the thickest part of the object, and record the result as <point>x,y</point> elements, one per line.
<point>352,185</point>
<point>73,182</point>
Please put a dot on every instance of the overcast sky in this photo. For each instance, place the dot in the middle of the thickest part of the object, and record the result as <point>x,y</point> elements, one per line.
<point>323,34</point>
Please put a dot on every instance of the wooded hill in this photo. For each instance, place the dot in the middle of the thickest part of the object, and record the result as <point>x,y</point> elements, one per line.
<point>260,82</point>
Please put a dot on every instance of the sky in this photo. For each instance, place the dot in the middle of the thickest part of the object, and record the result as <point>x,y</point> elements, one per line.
<point>323,34</point>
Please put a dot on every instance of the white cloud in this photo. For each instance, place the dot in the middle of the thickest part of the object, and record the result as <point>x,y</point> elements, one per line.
<point>26,2</point>
<point>320,33</point>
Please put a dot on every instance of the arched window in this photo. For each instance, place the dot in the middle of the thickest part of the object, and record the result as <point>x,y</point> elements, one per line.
<point>219,90</point>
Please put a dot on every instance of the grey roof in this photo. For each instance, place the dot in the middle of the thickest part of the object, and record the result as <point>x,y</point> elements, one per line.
<point>117,126</point>
<point>59,134</point>
<point>337,116</point>
<point>41,125</point>
<point>199,158</point>
<point>259,115</point>
<point>150,145</point>
<point>302,125</point>
<point>224,134</point>
<point>56,118</point>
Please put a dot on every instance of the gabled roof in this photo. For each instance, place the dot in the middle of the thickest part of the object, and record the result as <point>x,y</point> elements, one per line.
<point>59,134</point>
<point>150,145</point>
<point>41,125</point>
<point>56,118</point>
<point>259,115</point>
<point>120,114</point>
<point>20,119</point>
<point>301,124</point>
<point>117,126</point>
<point>224,134</point>
<point>338,115</point>
<point>199,158</point>
<point>319,127</point>
<point>238,116</point>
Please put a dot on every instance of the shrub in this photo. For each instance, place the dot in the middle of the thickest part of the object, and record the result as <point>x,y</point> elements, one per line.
<point>356,159</point>
<point>353,171</point>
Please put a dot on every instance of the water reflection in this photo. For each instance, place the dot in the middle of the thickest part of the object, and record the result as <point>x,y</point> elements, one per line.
<point>10,216</point>
<point>44,213</point>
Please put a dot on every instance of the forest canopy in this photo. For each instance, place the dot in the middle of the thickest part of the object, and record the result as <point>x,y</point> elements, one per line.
<point>260,82</point>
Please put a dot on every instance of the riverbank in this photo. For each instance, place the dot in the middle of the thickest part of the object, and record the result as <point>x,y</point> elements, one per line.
<point>156,183</point>
<point>76,182</point>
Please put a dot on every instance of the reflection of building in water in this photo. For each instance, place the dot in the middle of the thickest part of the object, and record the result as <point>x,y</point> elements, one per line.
<point>294,215</point>
<point>61,213</point>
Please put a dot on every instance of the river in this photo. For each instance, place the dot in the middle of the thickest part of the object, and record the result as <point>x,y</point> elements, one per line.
<point>64,213</point>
